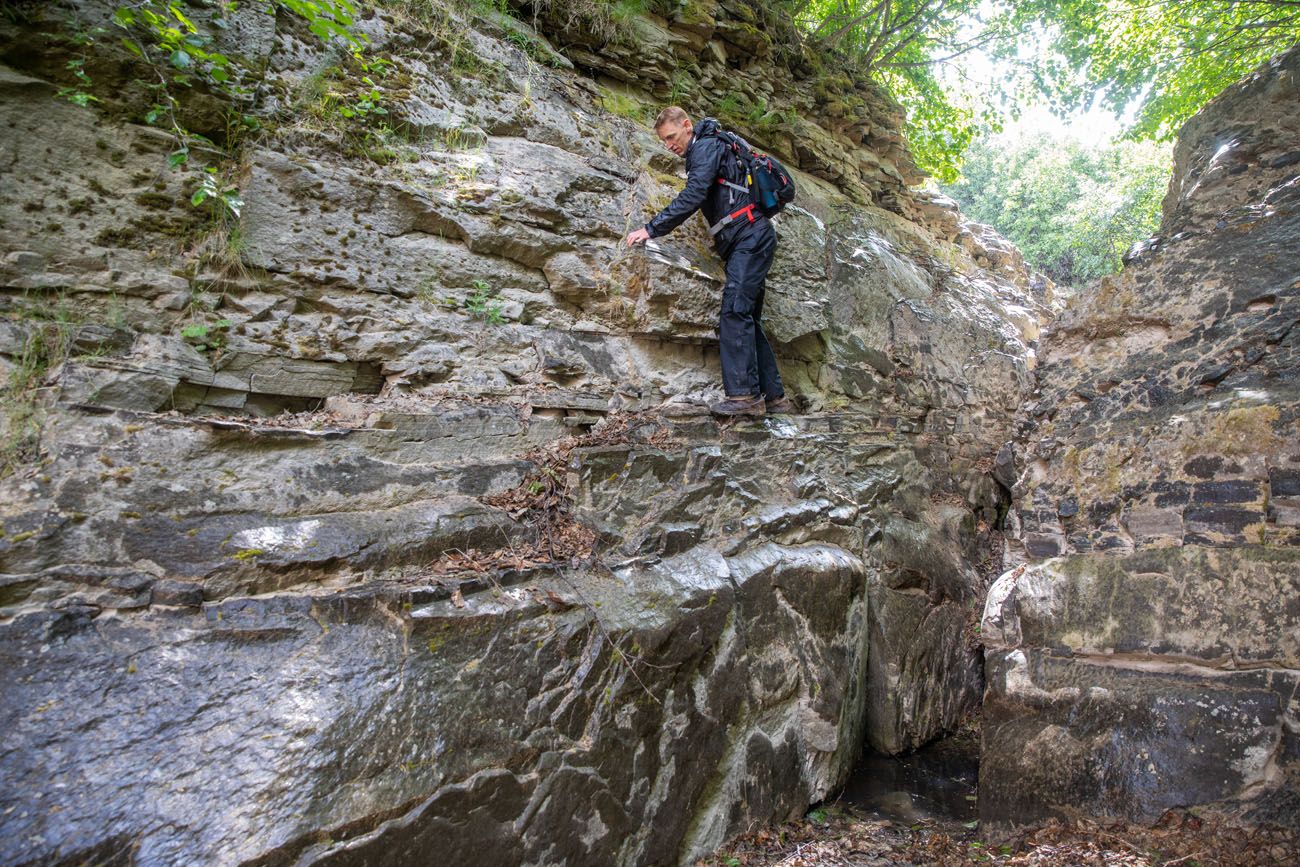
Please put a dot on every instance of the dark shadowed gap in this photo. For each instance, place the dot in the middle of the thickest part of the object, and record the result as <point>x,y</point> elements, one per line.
<point>935,784</point>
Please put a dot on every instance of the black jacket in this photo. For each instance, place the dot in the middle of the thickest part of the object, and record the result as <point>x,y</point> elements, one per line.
<point>708,158</point>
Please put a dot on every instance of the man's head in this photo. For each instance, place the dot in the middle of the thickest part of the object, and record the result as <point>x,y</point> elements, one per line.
<point>674,128</point>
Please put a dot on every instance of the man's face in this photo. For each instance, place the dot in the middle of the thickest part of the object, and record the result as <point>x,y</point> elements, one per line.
<point>676,136</point>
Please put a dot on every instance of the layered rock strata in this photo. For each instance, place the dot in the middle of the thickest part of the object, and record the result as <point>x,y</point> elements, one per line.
<point>1146,655</point>
<point>261,600</point>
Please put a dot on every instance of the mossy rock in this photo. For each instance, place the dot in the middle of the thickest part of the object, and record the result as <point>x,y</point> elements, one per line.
<point>697,13</point>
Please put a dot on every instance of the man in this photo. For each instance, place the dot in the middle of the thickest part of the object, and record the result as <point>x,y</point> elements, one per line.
<point>746,241</point>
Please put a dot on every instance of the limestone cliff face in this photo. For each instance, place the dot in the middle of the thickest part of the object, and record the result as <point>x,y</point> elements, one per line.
<point>388,522</point>
<point>1148,654</point>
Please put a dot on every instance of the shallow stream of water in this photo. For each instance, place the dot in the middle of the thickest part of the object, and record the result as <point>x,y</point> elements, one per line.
<point>936,784</point>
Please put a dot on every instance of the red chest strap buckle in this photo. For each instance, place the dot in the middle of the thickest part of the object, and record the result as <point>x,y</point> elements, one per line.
<point>717,227</point>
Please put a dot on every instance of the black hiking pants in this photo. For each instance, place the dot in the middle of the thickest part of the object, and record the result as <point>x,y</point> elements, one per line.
<point>748,365</point>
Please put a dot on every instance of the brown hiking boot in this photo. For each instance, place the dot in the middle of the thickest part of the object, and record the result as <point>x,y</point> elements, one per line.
<point>782,405</point>
<point>744,405</point>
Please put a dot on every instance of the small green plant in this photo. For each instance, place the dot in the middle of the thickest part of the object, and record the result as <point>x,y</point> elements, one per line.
<point>203,336</point>
<point>623,11</point>
<point>461,138</point>
<point>732,104</point>
<point>480,304</point>
<point>82,39</point>
<point>384,145</point>
<point>50,329</point>
<point>818,816</point>
<point>534,48</point>
<point>520,40</point>
<point>680,89</point>
<point>379,67</point>
<point>549,480</point>
<point>78,94</point>
<point>351,100</point>
<point>465,174</point>
<point>367,103</point>
<point>761,117</point>
<point>221,197</point>
<point>351,94</point>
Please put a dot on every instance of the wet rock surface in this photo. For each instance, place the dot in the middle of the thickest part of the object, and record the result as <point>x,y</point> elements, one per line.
<point>706,672</point>
<point>377,716</point>
<point>1144,657</point>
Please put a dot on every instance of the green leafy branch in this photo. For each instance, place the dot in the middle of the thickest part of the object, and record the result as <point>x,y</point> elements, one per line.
<point>180,56</point>
<point>172,34</point>
<point>162,34</point>
<point>328,19</point>
<point>82,39</point>
<point>78,94</point>
<point>1164,59</point>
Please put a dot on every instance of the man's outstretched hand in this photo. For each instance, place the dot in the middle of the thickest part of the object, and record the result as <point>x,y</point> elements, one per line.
<point>640,236</point>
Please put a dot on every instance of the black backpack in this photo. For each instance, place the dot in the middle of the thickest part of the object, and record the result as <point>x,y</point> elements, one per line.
<point>768,183</point>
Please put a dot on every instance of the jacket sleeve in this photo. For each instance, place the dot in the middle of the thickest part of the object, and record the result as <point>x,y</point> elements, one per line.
<point>701,175</point>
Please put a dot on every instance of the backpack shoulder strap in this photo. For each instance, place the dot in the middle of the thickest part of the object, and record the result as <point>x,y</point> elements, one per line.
<point>738,148</point>
<point>737,144</point>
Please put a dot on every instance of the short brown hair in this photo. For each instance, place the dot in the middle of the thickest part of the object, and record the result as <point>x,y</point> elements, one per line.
<point>671,114</point>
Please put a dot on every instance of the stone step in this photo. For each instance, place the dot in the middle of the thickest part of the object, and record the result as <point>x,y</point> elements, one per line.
<point>246,507</point>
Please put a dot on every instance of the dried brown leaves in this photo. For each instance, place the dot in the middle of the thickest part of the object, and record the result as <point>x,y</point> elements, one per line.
<point>543,502</point>
<point>520,558</point>
<point>846,838</point>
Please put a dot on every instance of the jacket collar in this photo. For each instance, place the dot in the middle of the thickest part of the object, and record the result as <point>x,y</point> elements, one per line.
<point>706,127</point>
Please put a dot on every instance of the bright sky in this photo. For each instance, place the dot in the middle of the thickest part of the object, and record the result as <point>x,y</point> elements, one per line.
<point>1094,128</point>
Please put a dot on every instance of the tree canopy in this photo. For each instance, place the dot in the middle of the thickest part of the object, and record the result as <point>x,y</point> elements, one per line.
<point>1162,58</point>
<point>1072,210</point>
<point>903,42</point>
<point>1166,58</point>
